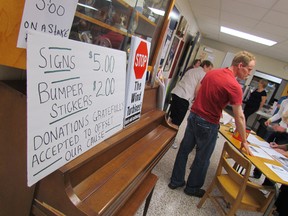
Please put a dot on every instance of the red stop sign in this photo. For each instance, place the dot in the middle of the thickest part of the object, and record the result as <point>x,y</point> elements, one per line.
<point>141,60</point>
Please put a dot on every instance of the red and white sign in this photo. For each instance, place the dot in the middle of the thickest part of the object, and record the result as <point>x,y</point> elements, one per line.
<point>136,78</point>
<point>141,60</point>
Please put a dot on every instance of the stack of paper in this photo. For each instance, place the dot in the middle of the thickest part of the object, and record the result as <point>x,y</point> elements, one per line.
<point>254,140</point>
<point>259,152</point>
<point>264,150</point>
<point>279,171</point>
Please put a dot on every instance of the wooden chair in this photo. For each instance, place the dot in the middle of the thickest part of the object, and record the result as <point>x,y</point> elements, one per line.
<point>236,190</point>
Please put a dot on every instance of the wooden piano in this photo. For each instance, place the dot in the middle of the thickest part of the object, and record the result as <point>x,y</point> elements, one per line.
<point>114,177</point>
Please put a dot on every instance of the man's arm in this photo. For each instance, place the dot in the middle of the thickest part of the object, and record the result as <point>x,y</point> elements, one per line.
<point>241,126</point>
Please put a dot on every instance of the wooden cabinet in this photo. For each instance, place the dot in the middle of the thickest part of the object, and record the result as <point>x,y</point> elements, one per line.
<point>112,23</point>
<point>105,22</point>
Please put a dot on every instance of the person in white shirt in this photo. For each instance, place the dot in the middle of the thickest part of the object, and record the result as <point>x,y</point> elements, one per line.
<point>280,131</point>
<point>280,134</point>
<point>184,92</point>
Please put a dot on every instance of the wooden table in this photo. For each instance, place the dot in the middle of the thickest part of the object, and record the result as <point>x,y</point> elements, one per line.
<point>256,161</point>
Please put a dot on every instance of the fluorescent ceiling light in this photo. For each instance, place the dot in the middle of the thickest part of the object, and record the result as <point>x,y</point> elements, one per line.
<point>92,8</point>
<point>247,36</point>
<point>157,11</point>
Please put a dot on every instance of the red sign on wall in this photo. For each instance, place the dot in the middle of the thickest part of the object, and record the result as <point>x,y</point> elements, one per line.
<point>141,60</point>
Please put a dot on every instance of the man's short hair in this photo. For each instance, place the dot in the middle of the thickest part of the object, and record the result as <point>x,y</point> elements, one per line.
<point>206,63</point>
<point>243,57</point>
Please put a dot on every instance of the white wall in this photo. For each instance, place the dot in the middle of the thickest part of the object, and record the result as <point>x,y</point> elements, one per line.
<point>263,63</point>
<point>211,54</point>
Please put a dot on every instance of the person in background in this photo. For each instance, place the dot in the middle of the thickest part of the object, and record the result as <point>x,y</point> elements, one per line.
<point>280,134</point>
<point>280,131</point>
<point>218,88</point>
<point>184,92</point>
<point>256,100</point>
<point>268,133</point>
<point>196,63</point>
<point>281,201</point>
<point>279,103</point>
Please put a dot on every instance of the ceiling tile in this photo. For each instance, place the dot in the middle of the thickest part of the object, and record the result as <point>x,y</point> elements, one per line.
<point>281,6</point>
<point>260,3</point>
<point>273,29</point>
<point>263,18</point>
<point>207,3</point>
<point>210,12</point>
<point>276,18</point>
<point>237,20</point>
<point>208,20</point>
<point>243,9</point>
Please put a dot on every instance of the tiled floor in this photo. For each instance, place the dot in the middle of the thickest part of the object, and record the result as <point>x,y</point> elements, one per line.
<point>167,202</point>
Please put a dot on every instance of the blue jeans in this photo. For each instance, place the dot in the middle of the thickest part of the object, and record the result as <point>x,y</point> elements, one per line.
<point>203,134</point>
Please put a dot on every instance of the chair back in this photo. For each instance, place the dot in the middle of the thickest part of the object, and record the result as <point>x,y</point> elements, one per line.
<point>230,158</point>
<point>237,191</point>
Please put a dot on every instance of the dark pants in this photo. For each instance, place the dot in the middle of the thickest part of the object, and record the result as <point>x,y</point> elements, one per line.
<point>249,110</point>
<point>281,202</point>
<point>178,109</point>
<point>279,138</point>
<point>201,134</point>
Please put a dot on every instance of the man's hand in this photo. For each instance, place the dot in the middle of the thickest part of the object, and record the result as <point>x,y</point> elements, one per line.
<point>268,122</point>
<point>279,128</point>
<point>280,151</point>
<point>273,145</point>
<point>244,145</point>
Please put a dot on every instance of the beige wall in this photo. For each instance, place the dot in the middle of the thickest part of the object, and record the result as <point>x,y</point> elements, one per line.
<point>263,63</point>
<point>211,54</point>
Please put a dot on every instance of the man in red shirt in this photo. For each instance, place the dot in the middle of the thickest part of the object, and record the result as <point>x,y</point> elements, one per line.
<point>218,89</point>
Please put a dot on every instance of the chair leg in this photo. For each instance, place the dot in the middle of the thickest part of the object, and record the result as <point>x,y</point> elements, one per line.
<point>206,195</point>
<point>233,209</point>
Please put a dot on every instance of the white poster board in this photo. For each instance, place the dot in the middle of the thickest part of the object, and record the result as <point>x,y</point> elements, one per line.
<point>136,78</point>
<point>76,95</point>
<point>53,17</point>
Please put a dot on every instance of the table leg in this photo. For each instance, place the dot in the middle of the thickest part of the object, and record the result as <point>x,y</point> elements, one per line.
<point>268,210</point>
<point>255,121</point>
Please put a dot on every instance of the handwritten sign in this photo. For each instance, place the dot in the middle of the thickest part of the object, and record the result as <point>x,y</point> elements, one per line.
<point>76,95</point>
<point>48,16</point>
<point>137,67</point>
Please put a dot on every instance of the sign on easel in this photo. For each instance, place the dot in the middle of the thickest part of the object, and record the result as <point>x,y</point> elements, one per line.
<point>136,78</point>
<point>76,96</point>
<point>52,17</point>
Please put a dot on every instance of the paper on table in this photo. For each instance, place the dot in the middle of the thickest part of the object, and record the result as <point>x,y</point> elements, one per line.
<point>279,171</point>
<point>259,152</point>
<point>272,152</point>
<point>277,156</point>
<point>226,118</point>
<point>254,140</point>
